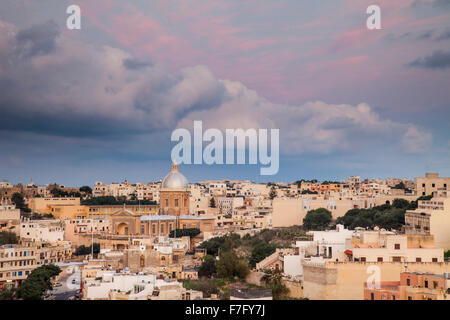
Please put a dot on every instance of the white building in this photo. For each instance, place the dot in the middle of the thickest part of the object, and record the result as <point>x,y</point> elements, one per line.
<point>228,205</point>
<point>331,242</point>
<point>42,230</point>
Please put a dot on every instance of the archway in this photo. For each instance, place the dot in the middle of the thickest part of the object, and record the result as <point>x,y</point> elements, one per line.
<point>122,228</point>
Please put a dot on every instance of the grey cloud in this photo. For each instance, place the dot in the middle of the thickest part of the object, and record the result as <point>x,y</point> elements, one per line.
<point>85,90</point>
<point>442,3</point>
<point>425,35</point>
<point>438,4</point>
<point>445,35</point>
<point>37,40</point>
<point>134,64</point>
<point>438,60</point>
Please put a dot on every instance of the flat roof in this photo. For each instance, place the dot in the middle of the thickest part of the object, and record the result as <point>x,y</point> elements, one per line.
<point>157,218</point>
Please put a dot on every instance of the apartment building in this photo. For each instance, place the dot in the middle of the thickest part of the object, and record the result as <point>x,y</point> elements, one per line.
<point>381,246</point>
<point>126,286</point>
<point>44,205</point>
<point>228,205</point>
<point>331,280</point>
<point>42,230</point>
<point>431,183</point>
<point>16,263</point>
<point>9,218</point>
<point>412,286</point>
<point>432,217</point>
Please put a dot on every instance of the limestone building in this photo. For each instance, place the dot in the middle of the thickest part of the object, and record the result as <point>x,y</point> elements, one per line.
<point>174,193</point>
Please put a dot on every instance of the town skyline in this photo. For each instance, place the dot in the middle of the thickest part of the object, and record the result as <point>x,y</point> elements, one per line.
<point>102,101</point>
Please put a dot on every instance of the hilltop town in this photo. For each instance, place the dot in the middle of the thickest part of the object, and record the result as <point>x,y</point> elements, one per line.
<point>379,239</point>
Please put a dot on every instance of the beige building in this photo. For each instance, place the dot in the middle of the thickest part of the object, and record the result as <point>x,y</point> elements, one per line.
<point>174,193</point>
<point>291,211</point>
<point>330,280</point>
<point>431,183</point>
<point>43,205</point>
<point>9,218</point>
<point>376,246</point>
<point>432,217</point>
<point>51,230</point>
<point>16,263</point>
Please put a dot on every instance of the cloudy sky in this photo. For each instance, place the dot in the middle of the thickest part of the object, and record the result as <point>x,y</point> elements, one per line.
<point>100,103</point>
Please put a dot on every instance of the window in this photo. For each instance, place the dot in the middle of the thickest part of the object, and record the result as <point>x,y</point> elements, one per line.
<point>423,185</point>
<point>426,283</point>
<point>372,296</point>
<point>408,282</point>
<point>380,259</point>
<point>396,259</point>
<point>397,246</point>
<point>433,185</point>
<point>153,228</point>
<point>176,203</point>
<point>162,228</point>
<point>363,259</point>
<point>418,259</point>
<point>434,260</point>
<point>409,298</point>
<point>393,297</point>
<point>167,202</point>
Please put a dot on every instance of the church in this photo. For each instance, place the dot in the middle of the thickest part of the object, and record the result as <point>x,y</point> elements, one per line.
<point>174,193</point>
<point>173,213</point>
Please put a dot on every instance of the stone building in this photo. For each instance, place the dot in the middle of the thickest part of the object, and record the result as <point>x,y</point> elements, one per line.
<point>174,193</point>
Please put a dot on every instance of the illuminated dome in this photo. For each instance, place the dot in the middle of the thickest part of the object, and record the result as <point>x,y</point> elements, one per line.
<point>174,180</point>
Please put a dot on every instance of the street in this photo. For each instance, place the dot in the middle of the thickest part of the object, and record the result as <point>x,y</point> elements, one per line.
<point>69,287</point>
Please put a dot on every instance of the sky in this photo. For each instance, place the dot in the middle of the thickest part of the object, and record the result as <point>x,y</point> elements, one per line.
<point>101,103</point>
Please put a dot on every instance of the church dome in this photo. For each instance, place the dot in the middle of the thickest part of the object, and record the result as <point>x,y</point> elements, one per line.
<point>174,179</point>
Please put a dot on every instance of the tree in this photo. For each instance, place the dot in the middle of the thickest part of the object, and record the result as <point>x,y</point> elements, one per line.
<point>309,192</point>
<point>273,281</point>
<point>230,265</point>
<point>384,216</point>
<point>83,250</point>
<point>38,282</point>
<point>8,293</point>
<point>227,242</point>
<point>208,267</point>
<point>189,232</point>
<point>272,193</point>
<point>207,286</point>
<point>400,185</point>
<point>212,202</point>
<point>86,189</point>
<point>317,219</point>
<point>400,203</point>
<point>18,200</point>
<point>110,200</point>
<point>260,252</point>
<point>7,237</point>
